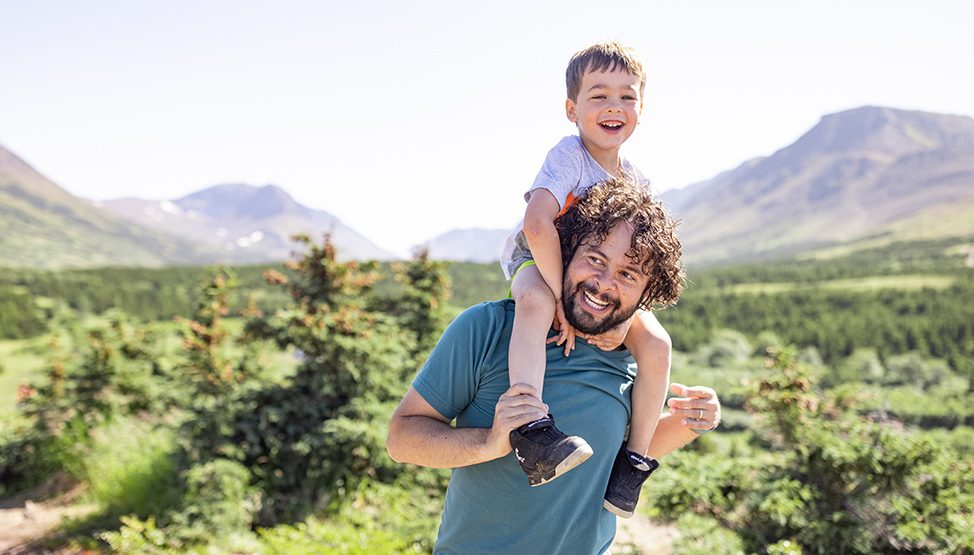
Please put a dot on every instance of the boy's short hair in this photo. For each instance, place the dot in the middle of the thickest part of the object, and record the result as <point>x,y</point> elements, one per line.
<point>602,56</point>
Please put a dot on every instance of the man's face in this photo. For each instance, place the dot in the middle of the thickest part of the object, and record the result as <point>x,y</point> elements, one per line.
<point>602,285</point>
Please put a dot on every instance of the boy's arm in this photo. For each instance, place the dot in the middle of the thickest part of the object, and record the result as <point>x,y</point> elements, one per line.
<point>542,238</point>
<point>418,434</point>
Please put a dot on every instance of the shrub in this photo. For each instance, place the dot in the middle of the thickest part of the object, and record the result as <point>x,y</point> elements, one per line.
<point>375,518</point>
<point>129,467</point>
<point>831,481</point>
<point>319,433</point>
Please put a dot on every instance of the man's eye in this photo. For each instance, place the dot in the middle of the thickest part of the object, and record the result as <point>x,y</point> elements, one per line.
<point>595,261</point>
<point>628,276</point>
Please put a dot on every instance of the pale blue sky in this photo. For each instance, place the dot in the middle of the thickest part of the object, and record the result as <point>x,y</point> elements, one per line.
<point>407,119</point>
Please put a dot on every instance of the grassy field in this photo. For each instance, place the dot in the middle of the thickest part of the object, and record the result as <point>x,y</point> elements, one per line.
<point>22,361</point>
<point>930,227</point>
<point>903,282</point>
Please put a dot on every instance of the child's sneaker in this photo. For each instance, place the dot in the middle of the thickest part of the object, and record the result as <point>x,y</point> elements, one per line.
<point>629,471</point>
<point>546,453</point>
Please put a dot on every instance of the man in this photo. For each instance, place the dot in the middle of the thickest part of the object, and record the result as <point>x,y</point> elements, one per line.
<point>620,253</point>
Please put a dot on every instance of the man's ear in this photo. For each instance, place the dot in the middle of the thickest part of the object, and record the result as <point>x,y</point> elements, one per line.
<point>570,110</point>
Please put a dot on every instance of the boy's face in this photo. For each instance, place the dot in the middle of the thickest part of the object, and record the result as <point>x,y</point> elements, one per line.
<point>606,111</point>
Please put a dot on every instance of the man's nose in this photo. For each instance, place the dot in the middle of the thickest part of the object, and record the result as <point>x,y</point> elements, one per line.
<point>604,281</point>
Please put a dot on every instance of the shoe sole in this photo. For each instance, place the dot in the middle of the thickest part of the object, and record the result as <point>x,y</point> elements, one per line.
<point>577,457</point>
<point>616,510</point>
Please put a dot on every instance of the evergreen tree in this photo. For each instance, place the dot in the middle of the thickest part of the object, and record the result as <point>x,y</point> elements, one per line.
<point>827,480</point>
<point>323,430</point>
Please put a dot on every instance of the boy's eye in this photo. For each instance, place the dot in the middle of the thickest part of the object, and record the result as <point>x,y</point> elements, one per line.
<point>598,97</point>
<point>629,97</point>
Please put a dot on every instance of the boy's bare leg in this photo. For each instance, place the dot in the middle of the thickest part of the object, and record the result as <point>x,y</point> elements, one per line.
<point>543,451</point>
<point>650,346</point>
<point>534,310</point>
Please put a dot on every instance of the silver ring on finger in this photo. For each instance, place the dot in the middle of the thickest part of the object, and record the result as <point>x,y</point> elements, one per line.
<point>701,414</point>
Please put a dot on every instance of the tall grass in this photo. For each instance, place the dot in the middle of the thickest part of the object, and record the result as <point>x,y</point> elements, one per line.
<point>129,468</point>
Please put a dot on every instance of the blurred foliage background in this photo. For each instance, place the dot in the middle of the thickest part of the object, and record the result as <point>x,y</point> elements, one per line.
<point>244,409</point>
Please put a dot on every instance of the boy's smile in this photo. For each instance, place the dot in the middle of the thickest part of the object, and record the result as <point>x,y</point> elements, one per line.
<point>606,112</point>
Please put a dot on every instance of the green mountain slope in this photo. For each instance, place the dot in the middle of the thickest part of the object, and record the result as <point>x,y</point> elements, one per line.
<point>44,226</point>
<point>860,174</point>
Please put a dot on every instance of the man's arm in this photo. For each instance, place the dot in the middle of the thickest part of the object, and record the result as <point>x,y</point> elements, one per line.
<point>418,434</point>
<point>696,410</point>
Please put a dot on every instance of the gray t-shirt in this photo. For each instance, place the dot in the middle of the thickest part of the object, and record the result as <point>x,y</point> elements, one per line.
<point>489,507</point>
<point>568,169</point>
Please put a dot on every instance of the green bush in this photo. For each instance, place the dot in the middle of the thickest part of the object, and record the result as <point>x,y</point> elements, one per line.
<point>826,480</point>
<point>375,519</point>
<point>705,536</point>
<point>129,467</point>
<point>219,502</point>
<point>318,433</point>
<point>26,458</point>
<point>216,509</point>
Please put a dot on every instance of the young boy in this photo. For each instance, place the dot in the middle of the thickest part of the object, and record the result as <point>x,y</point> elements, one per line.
<point>605,86</point>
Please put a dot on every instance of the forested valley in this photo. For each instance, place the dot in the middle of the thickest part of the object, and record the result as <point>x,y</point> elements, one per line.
<point>244,409</point>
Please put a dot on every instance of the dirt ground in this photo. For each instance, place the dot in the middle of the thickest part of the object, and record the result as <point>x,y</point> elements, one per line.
<point>33,515</point>
<point>649,538</point>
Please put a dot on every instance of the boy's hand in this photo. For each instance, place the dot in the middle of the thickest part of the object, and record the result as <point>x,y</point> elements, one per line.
<point>566,333</point>
<point>609,340</point>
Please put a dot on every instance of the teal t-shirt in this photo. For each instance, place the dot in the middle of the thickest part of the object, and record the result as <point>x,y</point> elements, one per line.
<point>489,507</point>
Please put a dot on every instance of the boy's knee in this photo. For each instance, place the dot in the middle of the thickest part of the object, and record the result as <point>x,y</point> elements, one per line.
<point>651,334</point>
<point>659,339</point>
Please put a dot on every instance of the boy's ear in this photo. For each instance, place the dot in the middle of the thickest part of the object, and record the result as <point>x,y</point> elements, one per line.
<point>570,110</point>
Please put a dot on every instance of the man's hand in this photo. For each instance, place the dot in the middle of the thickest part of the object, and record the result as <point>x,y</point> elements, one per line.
<point>516,407</point>
<point>697,406</point>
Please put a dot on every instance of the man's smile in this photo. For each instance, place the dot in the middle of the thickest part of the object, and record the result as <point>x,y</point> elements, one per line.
<point>594,302</point>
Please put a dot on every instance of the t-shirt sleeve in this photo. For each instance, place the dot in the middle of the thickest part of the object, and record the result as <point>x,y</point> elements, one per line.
<point>639,178</point>
<point>561,171</point>
<point>448,380</point>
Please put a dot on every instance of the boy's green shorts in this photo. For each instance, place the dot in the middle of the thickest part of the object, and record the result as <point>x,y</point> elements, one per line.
<point>525,264</point>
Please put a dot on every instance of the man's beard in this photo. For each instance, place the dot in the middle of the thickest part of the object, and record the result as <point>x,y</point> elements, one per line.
<point>585,322</point>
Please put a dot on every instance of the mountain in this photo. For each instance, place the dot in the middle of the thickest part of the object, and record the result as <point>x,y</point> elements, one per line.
<point>44,226</point>
<point>870,172</point>
<point>468,245</point>
<point>255,223</point>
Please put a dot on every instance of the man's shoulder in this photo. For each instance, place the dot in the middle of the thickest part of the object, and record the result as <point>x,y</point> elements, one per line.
<point>489,314</point>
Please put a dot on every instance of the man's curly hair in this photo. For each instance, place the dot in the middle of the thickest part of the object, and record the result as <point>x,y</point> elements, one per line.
<point>655,246</point>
